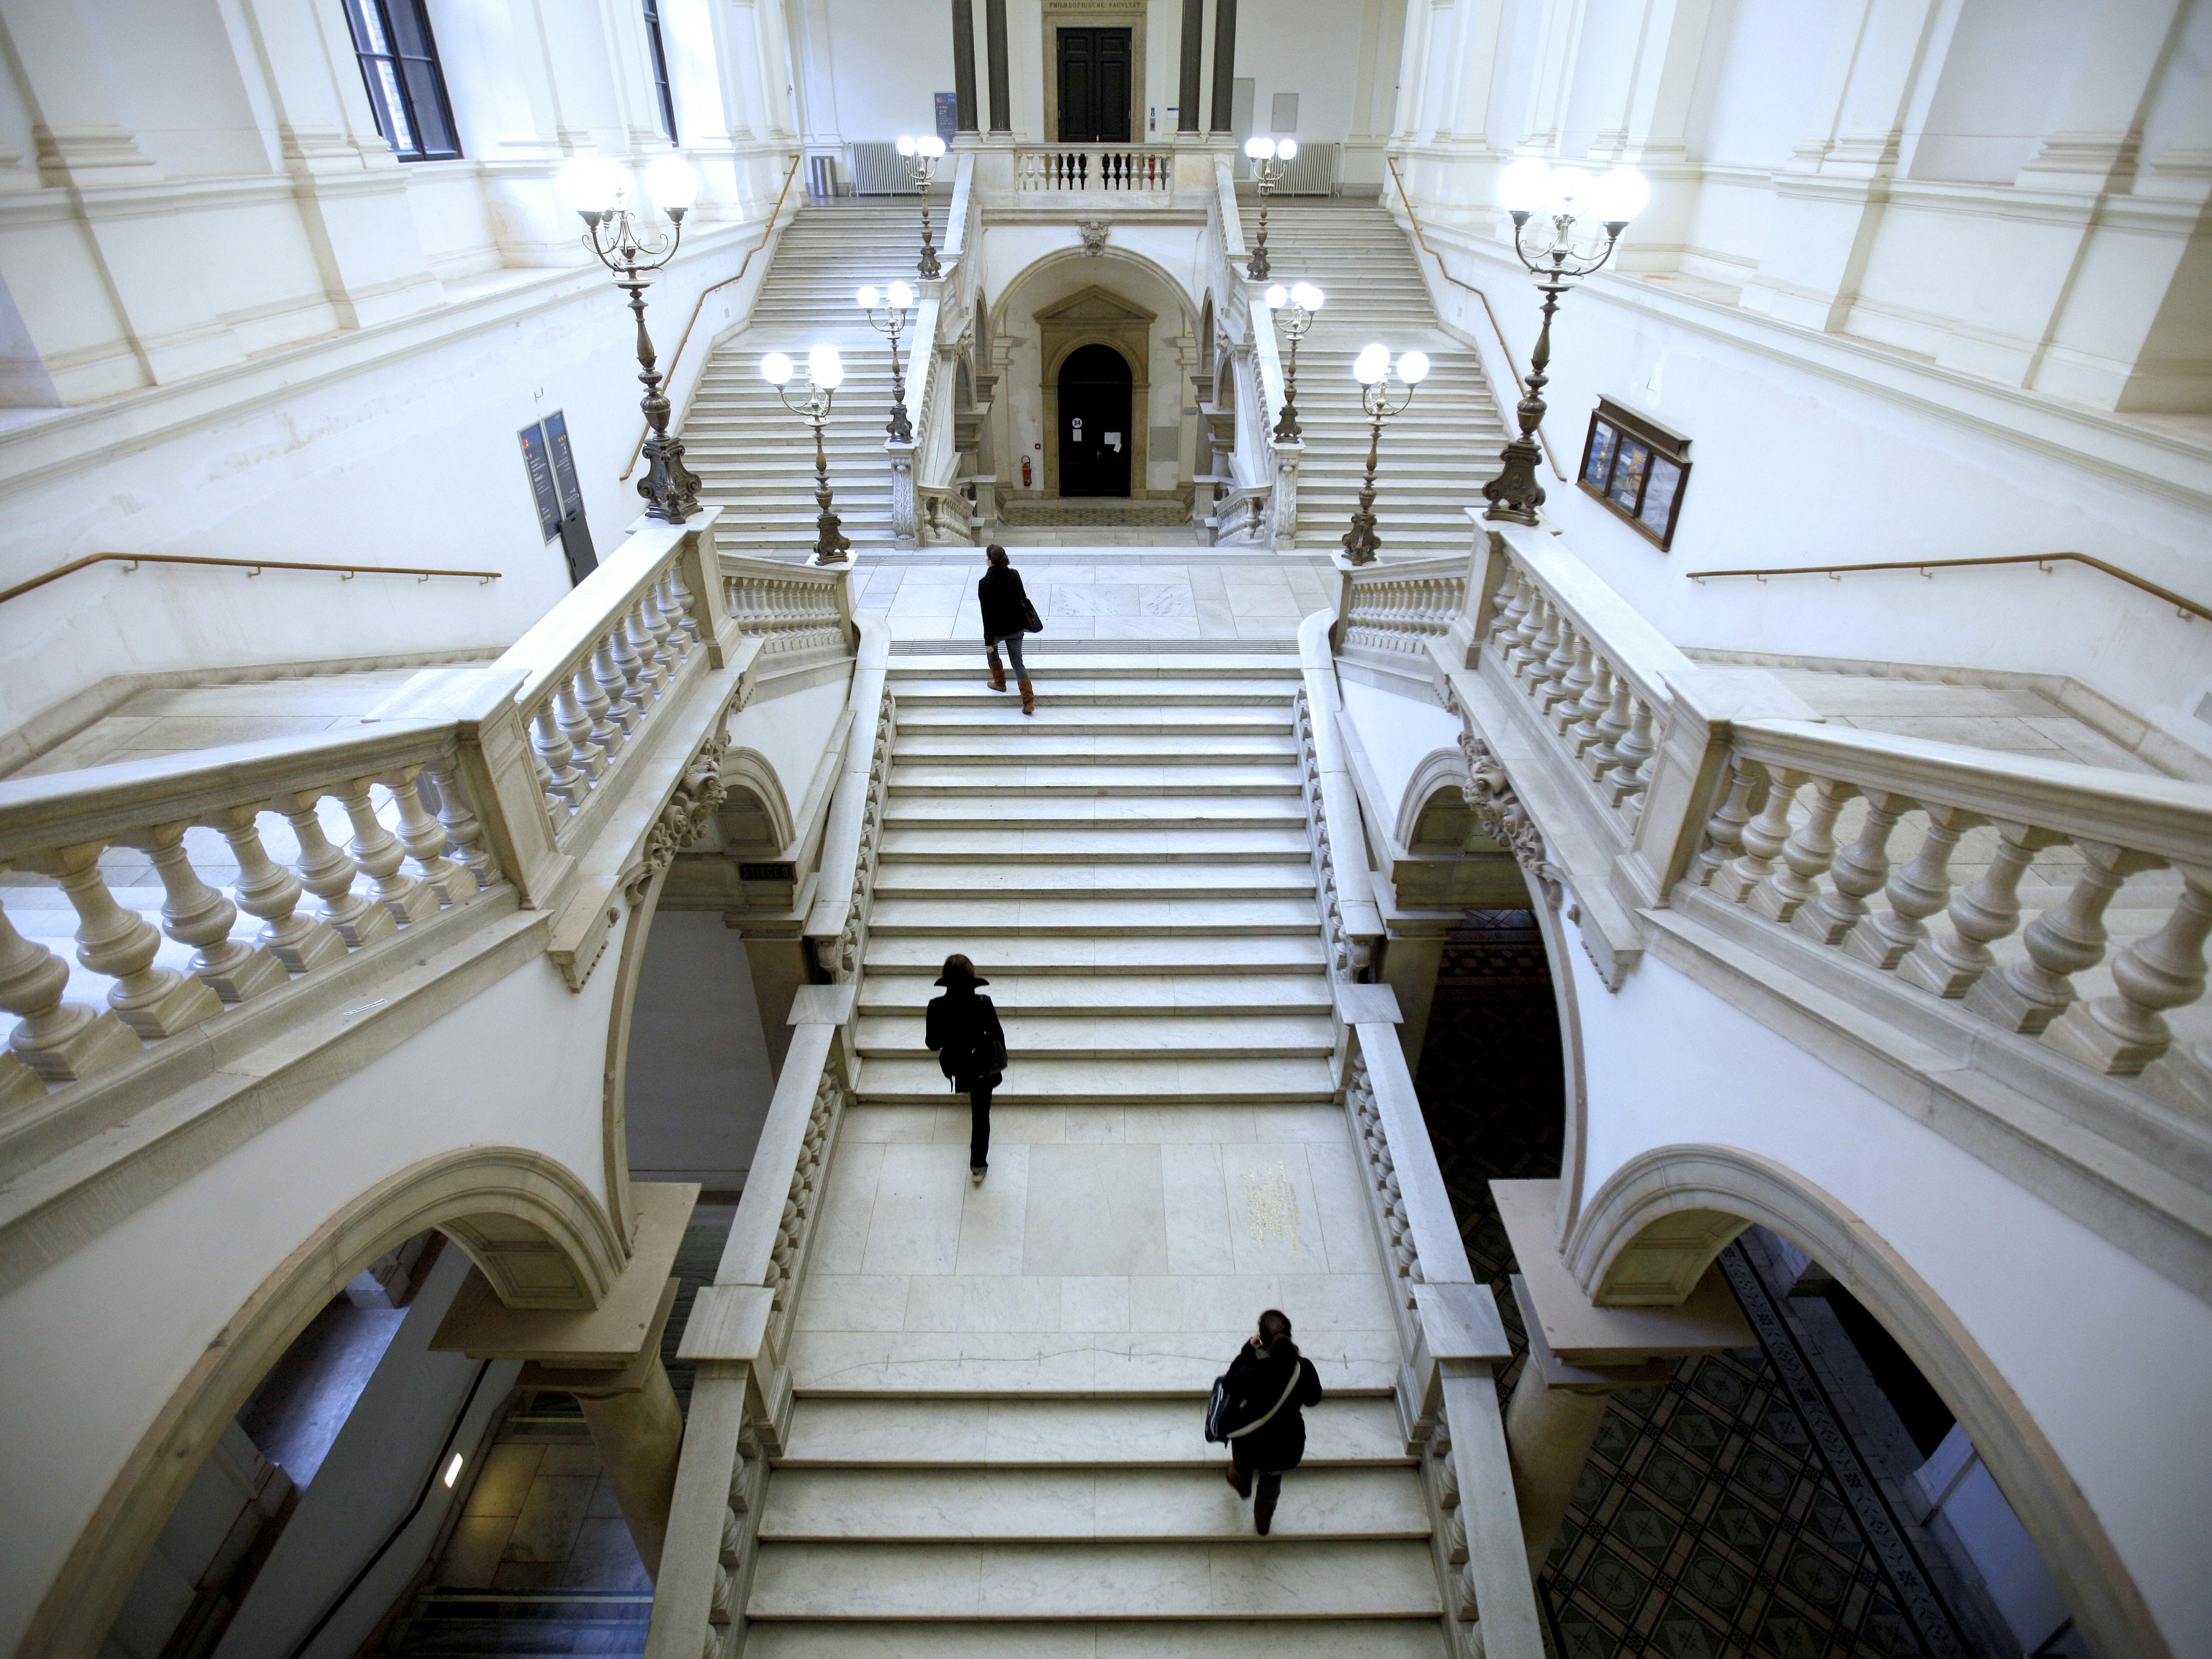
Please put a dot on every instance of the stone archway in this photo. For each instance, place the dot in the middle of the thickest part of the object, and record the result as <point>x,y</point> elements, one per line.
<point>535,1229</point>
<point>1662,1218</point>
<point>1096,316</point>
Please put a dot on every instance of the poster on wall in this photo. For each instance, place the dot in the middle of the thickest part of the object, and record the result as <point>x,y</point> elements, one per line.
<point>540,465</point>
<point>559,495</point>
<point>948,116</point>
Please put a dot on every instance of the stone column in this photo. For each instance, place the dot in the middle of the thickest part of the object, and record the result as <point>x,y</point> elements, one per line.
<point>608,1357</point>
<point>1194,45</point>
<point>995,50</point>
<point>1224,63</point>
<point>1579,1355</point>
<point>964,62</point>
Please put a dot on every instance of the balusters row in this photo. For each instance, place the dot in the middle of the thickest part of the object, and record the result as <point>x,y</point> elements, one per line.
<point>787,614</point>
<point>1771,845</point>
<point>1383,1180</point>
<point>435,859</point>
<point>1398,613</point>
<point>1101,169</point>
<point>1609,729</point>
<point>799,1202</point>
<point>1348,957</point>
<point>583,718</point>
<point>865,860</point>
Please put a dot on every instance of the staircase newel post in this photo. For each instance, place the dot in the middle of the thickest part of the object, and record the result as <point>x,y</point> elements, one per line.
<point>701,567</point>
<point>1288,453</point>
<point>905,524</point>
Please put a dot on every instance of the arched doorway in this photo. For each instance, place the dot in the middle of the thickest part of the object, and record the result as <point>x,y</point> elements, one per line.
<point>1095,435</point>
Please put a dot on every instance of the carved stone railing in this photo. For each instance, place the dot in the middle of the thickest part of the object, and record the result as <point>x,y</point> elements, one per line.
<point>1398,609</point>
<point>853,935</point>
<point>1114,169</point>
<point>1241,512</point>
<point>739,1339</point>
<point>1801,838</point>
<point>1351,941</point>
<point>788,608</point>
<point>472,804</point>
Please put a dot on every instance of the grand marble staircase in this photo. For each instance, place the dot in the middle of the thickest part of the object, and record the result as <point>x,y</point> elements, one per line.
<point>1435,456</point>
<point>752,455</point>
<point>995,1446</point>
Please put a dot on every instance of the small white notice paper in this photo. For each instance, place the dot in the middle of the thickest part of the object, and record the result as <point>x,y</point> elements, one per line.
<point>1114,442</point>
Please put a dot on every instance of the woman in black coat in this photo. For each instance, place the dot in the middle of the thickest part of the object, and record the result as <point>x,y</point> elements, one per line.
<point>962,1031</point>
<point>1271,1383</point>
<point>1006,616</point>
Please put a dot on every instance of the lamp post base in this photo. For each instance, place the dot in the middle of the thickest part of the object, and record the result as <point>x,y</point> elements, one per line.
<point>1514,495</point>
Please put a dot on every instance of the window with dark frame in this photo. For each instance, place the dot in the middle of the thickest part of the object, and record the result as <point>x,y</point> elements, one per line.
<point>660,70</point>
<point>1638,468</point>
<point>406,88</point>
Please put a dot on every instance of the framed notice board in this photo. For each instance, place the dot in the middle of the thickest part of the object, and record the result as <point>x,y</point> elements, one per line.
<point>1638,468</point>
<point>559,497</point>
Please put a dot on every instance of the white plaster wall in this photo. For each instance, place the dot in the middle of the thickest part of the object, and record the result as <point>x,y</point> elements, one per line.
<point>791,731</point>
<point>2008,62</point>
<point>700,1078</point>
<point>1755,80</point>
<point>395,449</point>
<point>1397,734</point>
<point>91,1350</point>
<point>1310,47</point>
<point>890,58</point>
<point>1793,466</point>
<point>2107,1357</point>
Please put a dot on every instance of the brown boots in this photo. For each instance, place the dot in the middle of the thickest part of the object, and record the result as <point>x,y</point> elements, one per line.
<point>1028,695</point>
<point>998,675</point>
<point>1263,1514</point>
<point>1239,1482</point>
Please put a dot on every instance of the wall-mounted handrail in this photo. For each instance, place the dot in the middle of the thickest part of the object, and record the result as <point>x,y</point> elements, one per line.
<point>256,566</point>
<point>2182,606</point>
<point>676,356</point>
<point>1444,271</point>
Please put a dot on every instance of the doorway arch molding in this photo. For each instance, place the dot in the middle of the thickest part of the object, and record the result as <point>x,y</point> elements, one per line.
<point>1098,316</point>
<point>508,1197</point>
<point>1637,1230</point>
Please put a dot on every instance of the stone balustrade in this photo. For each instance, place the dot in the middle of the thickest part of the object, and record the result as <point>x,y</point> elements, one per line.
<point>1115,168</point>
<point>1854,843</point>
<point>1350,953</point>
<point>373,836</point>
<point>789,608</point>
<point>1399,608</point>
<point>853,936</point>
<point>738,1338</point>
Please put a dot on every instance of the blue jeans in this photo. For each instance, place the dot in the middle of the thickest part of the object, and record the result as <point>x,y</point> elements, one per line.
<point>1267,1483</point>
<point>1013,643</point>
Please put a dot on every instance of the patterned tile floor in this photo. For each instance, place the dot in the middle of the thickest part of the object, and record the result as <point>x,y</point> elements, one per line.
<point>1715,1515</point>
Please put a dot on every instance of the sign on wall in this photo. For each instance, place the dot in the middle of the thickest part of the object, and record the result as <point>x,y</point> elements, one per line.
<point>557,493</point>
<point>948,116</point>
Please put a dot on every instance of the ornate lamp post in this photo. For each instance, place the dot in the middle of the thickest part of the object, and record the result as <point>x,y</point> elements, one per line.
<point>922,156</point>
<point>1559,259</point>
<point>1371,369</point>
<point>886,314</point>
<point>825,372</point>
<point>600,190</point>
<point>1294,309</point>
<point>1270,158</point>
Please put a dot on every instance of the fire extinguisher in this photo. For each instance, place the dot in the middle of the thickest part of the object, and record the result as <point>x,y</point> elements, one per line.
<point>1025,472</point>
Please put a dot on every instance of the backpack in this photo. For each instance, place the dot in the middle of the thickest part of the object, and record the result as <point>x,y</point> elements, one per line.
<point>1217,1408</point>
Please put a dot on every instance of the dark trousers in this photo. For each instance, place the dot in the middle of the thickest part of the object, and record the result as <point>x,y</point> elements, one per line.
<point>979,1128</point>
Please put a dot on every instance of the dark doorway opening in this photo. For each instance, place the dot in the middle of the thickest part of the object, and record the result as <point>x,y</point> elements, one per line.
<point>1095,435</point>
<point>1094,86</point>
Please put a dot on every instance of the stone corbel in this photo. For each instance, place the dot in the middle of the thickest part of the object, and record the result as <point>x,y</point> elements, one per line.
<point>608,1357</point>
<point>1581,1354</point>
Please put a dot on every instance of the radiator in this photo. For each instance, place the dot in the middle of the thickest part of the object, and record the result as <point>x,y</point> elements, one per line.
<point>880,170</point>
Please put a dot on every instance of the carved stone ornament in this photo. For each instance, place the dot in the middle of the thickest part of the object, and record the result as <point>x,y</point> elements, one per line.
<point>698,795</point>
<point>1094,235</point>
<point>1489,796</point>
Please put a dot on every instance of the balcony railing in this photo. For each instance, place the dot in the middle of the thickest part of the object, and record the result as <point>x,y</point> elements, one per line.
<point>1113,168</point>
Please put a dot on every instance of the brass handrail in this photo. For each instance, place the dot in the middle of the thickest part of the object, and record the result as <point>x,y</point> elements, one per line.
<point>699,305</point>
<point>256,566</point>
<point>1444,271</point>
<point>2182,606</point>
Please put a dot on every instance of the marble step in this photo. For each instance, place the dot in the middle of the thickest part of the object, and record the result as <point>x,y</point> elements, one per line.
<point>1077,719</point>
<point>897,878</point>
<point>1243,1081</point>
<point>1075,915</point>
<point>1250,1579</point>
<point>1112,845</point>
<point>994,956</point>
<point>1084,690</point>
<point>1121,997</point>
<point>1045,780</point>
<point>1167,670</point>
<point>986,810</point>
<point>1185,1036</point>
<point>1017,748</point>
<point>1080,1505</point>
<point>1167,1639</point>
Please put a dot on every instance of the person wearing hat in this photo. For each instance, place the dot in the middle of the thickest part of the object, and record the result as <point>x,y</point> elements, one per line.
<point>962,1031</point>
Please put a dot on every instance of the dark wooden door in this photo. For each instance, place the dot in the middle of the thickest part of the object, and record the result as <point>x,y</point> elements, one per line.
<point>1095,435</point>
<point>1094,86</point>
